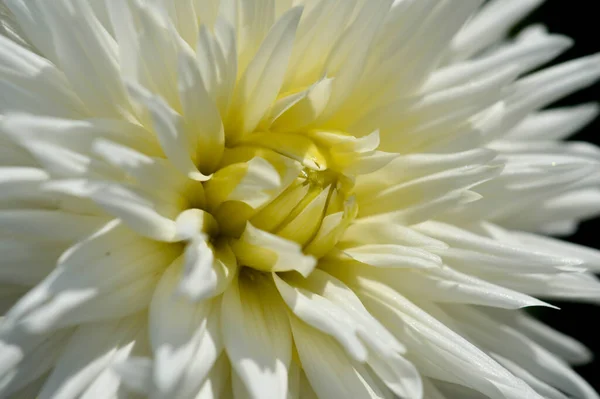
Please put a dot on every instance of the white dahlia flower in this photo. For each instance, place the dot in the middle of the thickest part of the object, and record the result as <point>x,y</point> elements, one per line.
<point>288,199</point>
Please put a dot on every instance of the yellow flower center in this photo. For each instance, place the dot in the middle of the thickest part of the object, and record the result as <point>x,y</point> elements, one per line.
<point>268,196</point>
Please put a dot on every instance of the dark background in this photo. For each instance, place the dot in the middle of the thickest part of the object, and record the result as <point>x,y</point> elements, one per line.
<point>577,19</point>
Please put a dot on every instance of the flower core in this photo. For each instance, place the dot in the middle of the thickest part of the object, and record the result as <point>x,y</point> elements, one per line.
<point>306,199</point>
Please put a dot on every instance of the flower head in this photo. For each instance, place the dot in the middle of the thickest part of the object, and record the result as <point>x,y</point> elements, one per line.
<point>276,199</point>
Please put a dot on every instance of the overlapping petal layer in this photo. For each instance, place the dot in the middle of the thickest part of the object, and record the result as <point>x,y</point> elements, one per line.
<point>289,199</point>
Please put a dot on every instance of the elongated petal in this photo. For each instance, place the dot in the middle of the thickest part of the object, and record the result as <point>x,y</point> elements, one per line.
<point>268,252</point>
<point>518,348</point>
<point>264,75</point>
<point>204,126</point>
<point>25,357</point>
<point>257,336</point>
<point>491,377</point>
<point>90,351</point>
<point>96,58</point>
<point>106,276</point>
<point>170,129</point>
<point>208,270</point>
<point>328,369</point>
<point>183,336</point>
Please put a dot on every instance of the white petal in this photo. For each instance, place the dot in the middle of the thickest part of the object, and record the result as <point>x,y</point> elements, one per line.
<point>64,146</point>
<point>436,24</point>
<point>430,187</point>
<point>183,335</point>
<point>556,342</point>
<point>208,271</point>
<point>135,211</point>
<point>13,155</point>
<point>293,381</point>
<point>449,390</point>
<point>254,183</point>
<point>349,56</point>
<point>448,285</point>
<point>170,129</point>
<point>325,314</point>
<point>469,251</point>
<point>303,227</point>
<point>105,276</point>
<point>328,369</point>
<point>150,172</point>
<point>523,54</point>
<point>32,84</point>
<point>26,262</point>
<point>401,120</point>
<point>263,78</point>
<point>554,124</point>
<point>136,374</point>
<point>199,259</point>
<point>30,17</point>
<point>147,47</point>
<point>305,108</point>
<point>36,225</point>
<point>257,336</point>
<point>393,256</point>
<point>215,384</point>
<point>322,24</point>
<point>440,352</point>
<point>331,230</point>
<point>268,252</point>
<point>24,358</point>
<point>387,233</point>
<point>590,257</point>
<point>87,55</point>
<point>542,88</point>
<point>201,114</point>
<point>508,343</point>
<point>417,165</point>
<point>23,184</point>
<point>398,375</point>
<point>540,387</point>
<point>184,18</point>
<point>218,60</point>
<point>489,25</point>
<point>89,351</point>
<point>255,20</point>
<point>328,305</point>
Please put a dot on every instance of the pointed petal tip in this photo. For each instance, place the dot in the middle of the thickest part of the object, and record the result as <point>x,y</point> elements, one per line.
<point>199,176</point>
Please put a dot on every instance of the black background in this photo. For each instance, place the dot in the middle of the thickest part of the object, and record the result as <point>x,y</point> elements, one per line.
<point>577,19</point>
